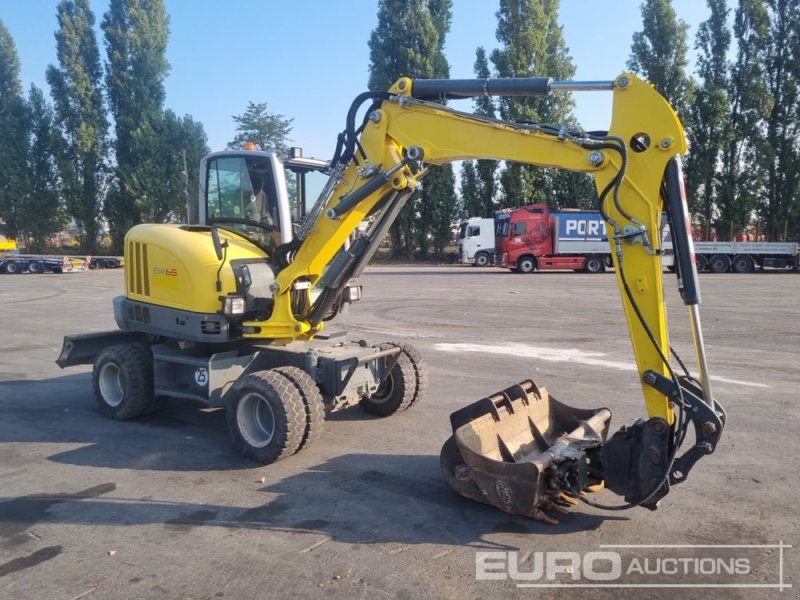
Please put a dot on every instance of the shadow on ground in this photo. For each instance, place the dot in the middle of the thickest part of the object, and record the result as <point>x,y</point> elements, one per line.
<point>355,498</point>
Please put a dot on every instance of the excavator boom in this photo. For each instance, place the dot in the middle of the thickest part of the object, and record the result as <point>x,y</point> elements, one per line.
<point>520,449</point>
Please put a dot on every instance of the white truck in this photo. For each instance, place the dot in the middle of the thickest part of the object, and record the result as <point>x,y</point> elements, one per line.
<point>476,242</point>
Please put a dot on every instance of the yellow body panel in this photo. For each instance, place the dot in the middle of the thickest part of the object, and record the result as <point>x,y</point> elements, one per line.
<point>172,266</point>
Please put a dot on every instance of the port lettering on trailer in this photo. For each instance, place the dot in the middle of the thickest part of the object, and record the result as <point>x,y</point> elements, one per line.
<point>169,272</point>
<point>585,228</point>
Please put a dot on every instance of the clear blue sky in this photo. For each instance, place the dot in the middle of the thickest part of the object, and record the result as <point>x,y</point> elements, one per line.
<point>307,59</point>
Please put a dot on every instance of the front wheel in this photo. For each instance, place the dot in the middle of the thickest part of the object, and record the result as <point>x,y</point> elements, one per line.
<point>12,268</point>
<point>482,260</point>
<point>266,417</point>
<point>526,264</point>
<point>122,379</point>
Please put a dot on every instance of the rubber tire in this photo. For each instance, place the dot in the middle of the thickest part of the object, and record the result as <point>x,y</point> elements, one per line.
<point>593,264</point>
<point>719,263</point>
<point>288,410</point>
<point>701,263</point>
<point>421,377</point>
<point>742,264</point>
<point>312,402</point>
<point>482,259</point>
<point>396,392</point>
<point>35,267</point>
<point>12,268</point>
<point>526,264</point>
<point>134,365</point>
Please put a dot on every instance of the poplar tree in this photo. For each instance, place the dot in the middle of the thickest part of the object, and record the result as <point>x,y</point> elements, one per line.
<point>659,53</point>
<point>136,34</point>
<point>485,170</point>
<point>14,130</point>
<point>779,154</point>
<point>471,205</point>
<point>741,180</point>
<point>41,213</point>
<point>707,128</point>
<point>532,44</point>
<point>405,42</point>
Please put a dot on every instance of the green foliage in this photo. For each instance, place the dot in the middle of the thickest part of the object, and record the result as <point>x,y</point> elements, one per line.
<point>486,170</point>
<point>136,34</point>
<point>9,67</point>
<point>408,41</point>
<point>41,212</point>
<point>779,153</point>
<point>659,53</point>
<point>268,131</point>
<point>532,44</point>
<point>708,129</point>
<point>76,89</point>
<point>470,195</point>
<point>739,180</point>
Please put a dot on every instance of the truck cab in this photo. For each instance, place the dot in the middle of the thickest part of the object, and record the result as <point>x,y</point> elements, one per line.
<point>476,242</point>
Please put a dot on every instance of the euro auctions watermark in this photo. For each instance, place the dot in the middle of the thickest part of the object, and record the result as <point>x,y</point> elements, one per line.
<point>641,566</point>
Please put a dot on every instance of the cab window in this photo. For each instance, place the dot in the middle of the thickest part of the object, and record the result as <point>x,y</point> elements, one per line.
<point>518,228</point>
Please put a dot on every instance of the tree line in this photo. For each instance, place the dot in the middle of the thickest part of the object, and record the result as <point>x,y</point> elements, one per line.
<point>65,160</point>
<point>107,151</point>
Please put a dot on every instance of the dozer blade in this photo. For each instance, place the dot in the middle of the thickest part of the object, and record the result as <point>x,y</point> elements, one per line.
<point>520,450</point>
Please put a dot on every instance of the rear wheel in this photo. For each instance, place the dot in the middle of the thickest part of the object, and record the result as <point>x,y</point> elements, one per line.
<point>122,379</point>
<point>266,417</point>
<point>482,259</point>
<point>12,268</point>
<point>719,263</point>
<point>742,264</point>
<point>526,264</point>
<point>35,267</point>
<point>396,392</point>
<point>593,264</point>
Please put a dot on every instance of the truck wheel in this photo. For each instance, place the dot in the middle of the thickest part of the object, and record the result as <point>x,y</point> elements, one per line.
<point>719,263</point>
<point>12,268</point>
<point>742,264</point>
<point>526,264</point>
<point>312,402</point>
<point>396,392</point>
<point>35,267</point>
<point>700,263</point>
<point>266,417</point>
<point>482,259</point>
<point>593,264</point>
<point>122,379</point>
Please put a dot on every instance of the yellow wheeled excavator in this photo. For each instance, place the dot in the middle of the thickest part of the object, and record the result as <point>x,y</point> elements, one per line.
<point>242,307</point>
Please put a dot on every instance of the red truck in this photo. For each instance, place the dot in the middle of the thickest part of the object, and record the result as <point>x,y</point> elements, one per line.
<point>534,237</point>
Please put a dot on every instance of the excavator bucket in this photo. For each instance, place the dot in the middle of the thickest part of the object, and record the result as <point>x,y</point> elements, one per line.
<point>524,452</point>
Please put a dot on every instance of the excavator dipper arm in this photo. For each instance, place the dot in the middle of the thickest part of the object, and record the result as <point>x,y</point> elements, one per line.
<point>520,449</point>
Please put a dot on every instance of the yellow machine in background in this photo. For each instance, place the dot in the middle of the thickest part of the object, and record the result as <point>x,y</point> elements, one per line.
<point>242,308</point>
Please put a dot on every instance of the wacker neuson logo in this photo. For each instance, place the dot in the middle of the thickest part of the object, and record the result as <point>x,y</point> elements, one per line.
<point>641,566</point>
